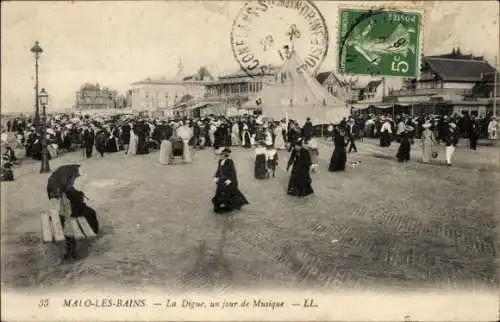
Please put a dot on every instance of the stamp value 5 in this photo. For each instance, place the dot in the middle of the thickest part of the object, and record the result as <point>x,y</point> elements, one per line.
<point>379,42</point>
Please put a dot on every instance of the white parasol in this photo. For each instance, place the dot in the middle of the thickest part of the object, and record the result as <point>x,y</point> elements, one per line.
<point>50,131</point>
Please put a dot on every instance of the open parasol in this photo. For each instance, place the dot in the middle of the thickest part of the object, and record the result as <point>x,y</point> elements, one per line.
<point>62,179</point>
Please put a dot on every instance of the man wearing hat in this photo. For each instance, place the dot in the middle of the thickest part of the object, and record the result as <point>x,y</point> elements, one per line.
<point>351,132</point>
<point>88,138</point>
<point>307,130</point>
<point>451,141</point>
<point>474,129</point>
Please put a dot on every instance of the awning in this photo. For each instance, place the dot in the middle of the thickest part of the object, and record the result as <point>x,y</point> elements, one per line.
<point>468,103</point>
<point>199,104</point>
<point>384,106</point>
<point>358,107</point>
<point>414,99</point>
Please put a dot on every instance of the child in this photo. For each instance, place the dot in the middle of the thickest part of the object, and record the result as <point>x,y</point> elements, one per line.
<point>272,160</point>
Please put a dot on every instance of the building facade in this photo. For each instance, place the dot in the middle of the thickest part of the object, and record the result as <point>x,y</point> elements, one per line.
<point>93,97</point>
<point>225,95</point>
<point>453,83</point>
<point>343,89</point>
<point>162,94</point>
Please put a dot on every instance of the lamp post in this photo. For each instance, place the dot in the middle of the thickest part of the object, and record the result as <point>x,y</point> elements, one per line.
<point>44,99</point>
<point>37,51</point>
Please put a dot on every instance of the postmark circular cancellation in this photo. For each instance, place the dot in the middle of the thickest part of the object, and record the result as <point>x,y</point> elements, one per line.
<point>264,32</point>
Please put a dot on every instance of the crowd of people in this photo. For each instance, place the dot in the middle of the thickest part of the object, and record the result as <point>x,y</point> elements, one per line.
<point>132,135</point>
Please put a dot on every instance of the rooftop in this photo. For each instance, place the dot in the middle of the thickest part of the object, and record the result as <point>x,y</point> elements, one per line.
<point>373,84</point>
<point>242,73</point>
<point>457,54</point>
<point>322,77</point>
<point>452,69</point>
<point>202,76</point>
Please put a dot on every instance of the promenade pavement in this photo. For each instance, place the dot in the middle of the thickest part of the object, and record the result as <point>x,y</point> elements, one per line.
<point>381,224</point>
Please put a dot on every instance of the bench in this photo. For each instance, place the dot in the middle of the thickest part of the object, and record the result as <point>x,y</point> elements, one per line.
<point>52,230</point>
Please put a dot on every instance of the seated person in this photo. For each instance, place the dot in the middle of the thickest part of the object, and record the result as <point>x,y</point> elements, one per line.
<point>10,155</point>
<point>6,173</point>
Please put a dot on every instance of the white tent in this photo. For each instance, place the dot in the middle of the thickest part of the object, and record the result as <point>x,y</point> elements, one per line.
<point>296,94</point>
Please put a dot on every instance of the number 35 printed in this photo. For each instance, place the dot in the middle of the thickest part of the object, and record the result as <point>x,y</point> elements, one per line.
<point>399,65</point>
<point>43,302</point>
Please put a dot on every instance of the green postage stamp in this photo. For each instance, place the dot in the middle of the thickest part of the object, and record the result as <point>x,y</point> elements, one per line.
<point>379,42</point>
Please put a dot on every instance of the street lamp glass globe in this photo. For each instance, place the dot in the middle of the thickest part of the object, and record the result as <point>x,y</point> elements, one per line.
<point>36,49</point>
<point>44,97</point>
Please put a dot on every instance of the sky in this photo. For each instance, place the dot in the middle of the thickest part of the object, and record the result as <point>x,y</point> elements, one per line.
<point>118,42</point>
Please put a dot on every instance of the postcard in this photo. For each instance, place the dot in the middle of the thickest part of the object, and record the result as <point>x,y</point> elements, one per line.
<point>271,160</point>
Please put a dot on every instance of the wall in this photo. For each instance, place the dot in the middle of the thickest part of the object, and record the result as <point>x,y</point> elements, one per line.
<point>160,96</point>
<point>459,85</point>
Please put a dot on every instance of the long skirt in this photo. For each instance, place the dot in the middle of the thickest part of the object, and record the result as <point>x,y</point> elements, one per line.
<point>142,148</point>
<point>187,152</point>
<point>52,148</point>
<point>132,148</point>
<point>112,146</point>
<point>246,140</point>
<point>385,139</point>
<point>211,135</point>
<point>299,184</point>
<point>338,160</point>
<point>260,170</point>
<point>235,139</point>
<point>426,151</point>
<point>228,198</point>
<point>279,142</point>
<point>404,150</point>
<point>165,152</point>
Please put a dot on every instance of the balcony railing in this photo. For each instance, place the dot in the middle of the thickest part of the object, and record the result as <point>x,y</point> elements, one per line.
<point>430,91</point>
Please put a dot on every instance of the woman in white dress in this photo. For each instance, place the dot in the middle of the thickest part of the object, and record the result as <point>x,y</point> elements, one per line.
<point>186,133</point>
<point>279,141</point>
<point>235,135</point>
<point>165,152</point>
<point>268,137</point>
<point>211,133</point>
<point>493,129</point>
<point>132,148</point>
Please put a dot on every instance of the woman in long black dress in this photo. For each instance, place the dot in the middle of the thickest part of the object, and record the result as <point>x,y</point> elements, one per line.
<point>227,195</point>
<point>101,139</point>
<point>404,150</point>
<point>299,184</point>
<point>260,169</point>
<point>72,204</point>
<point>339,156</point>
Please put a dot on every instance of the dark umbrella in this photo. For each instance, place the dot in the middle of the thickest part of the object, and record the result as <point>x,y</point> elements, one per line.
<point>62,179</point>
